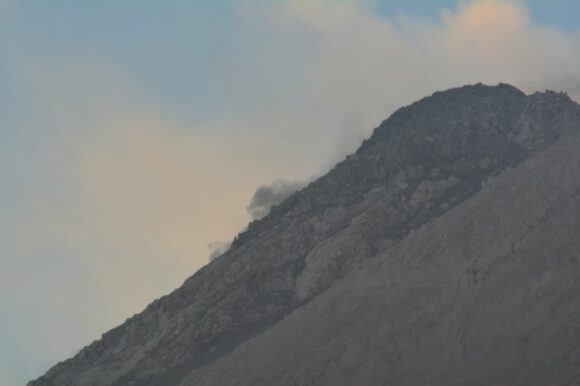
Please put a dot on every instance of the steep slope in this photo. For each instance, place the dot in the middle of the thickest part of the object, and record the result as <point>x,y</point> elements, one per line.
<point>487,294</point>
<point>424,165</point>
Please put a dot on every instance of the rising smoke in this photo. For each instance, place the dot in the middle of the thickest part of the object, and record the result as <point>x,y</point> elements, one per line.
<point>266,196</point>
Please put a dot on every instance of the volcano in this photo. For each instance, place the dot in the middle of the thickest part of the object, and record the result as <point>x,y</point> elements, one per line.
<point>444,251</point>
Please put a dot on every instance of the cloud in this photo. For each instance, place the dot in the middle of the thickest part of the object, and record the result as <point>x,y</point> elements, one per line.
<point>366,65</point>
<point>267,196</point>
<point>487,28</point>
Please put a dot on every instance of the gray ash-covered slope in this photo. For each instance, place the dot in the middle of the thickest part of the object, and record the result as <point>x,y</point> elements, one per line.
<point>443,252</point>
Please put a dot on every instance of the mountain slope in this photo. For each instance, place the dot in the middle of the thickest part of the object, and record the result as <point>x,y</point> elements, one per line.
<point>311,282</point>
<point>487,294</point>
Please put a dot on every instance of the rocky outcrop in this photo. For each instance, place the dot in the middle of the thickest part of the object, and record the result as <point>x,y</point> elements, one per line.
<point>409,223</point>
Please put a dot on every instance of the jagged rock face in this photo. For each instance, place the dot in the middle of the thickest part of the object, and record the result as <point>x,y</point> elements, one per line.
<point>415,245</point>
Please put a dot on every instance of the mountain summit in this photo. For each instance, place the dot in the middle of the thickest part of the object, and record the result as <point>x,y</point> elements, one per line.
<point>445,251</point>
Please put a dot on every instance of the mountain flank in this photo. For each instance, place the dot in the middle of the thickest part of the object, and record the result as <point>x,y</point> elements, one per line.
<point>444,251</point>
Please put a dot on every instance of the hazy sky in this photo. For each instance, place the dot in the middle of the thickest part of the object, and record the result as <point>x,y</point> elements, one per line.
<point>134,133</point>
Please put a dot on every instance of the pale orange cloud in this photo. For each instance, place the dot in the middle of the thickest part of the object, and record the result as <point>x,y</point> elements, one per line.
<point>487,28</point>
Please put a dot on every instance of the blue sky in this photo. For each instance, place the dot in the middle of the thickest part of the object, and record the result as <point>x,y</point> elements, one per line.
<point>134,132</point>
<point>561,14</point>
<point>172,46</point>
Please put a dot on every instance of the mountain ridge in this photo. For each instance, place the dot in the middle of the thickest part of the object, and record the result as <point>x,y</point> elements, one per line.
<point>420,163</point>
